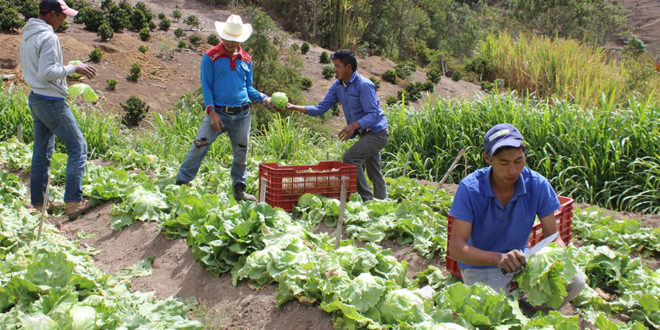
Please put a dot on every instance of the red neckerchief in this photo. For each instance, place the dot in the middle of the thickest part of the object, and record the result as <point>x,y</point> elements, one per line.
<point>219,51</point>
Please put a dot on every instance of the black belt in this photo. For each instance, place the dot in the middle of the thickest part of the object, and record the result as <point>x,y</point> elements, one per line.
<point>232,110</point>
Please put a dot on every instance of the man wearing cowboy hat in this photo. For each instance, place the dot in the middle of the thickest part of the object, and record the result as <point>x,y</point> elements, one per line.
<point>364,117</point>
<point>226,77</point>
<point>43,71</point>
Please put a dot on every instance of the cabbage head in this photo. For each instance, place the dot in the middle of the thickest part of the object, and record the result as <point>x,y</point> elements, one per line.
<point>75,75</point>
<point>279,100</point>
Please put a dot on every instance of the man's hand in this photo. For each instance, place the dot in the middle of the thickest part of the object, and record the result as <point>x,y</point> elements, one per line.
<point>216,122</point>
<point>348,131</point>
<point>267,102</point>
<point>293,107</point>
<point>86,70</point>
<point>512,261</point>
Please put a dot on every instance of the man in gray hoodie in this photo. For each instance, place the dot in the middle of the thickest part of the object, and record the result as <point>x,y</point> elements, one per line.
<point>43,71</point>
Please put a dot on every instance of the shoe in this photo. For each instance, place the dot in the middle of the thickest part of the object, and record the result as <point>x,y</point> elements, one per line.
<point>52,206</point>
<point>179,183</point>
<point>76,209</point>
<point>241,195</point>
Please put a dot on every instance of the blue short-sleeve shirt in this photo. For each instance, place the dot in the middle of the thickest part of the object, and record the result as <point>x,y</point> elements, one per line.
<point>497,228</point>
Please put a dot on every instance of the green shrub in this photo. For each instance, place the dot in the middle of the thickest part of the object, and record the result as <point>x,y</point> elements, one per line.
<point>92,18</point>
<point>328,71</point>
<point>389,76</point>
<point>105,32</point>
<point>96,55</point>
<point>434,76</point>
<point>152,25</point>
<point>29,9</point>
<point>191,21</point>
<point>145,34</point>
<point>213,39</point>
<point>112,84</point>
<point>392,100</point>
<point>179,33</point>
<point>181,44</point>
<point>376,82</point>
<point>335,110</point>
<point>456,75</point>
<point>304,48</point>
<point>176,14</point>
<point>324,59</point>
<point>138,20</point>
<point>164,24</point>
<point>489,86</point>
<point>404,70</point>
<point>634,47</point>
<point>143,49</point>
<point>161,16</point>
<point>305,83</point>
<point>118,18</point>
<point>134,72</point>
<point>10,19</point>
<point>106,4</point>
<point>134,111</point>
<point>63,27</point>
<point>195,39</point>
<point>483,67</point>
<point>148,14</point>
<point>294,47</point>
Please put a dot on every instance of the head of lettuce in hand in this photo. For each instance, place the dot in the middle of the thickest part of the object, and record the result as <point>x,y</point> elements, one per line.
<point>279,99</point>
<point>75,75</point>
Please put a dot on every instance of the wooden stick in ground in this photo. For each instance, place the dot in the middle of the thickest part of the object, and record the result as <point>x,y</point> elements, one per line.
<point>295,144</point>
<point>19,132</point>
<point>282,153</point>
<point>451,168</point>
<point>44,207</point>
<point>342,208</point>
<point>262,190</point>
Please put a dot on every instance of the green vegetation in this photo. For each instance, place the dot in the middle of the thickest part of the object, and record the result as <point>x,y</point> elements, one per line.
<point>145,34</point>
<point>191,21</point>
<point>164,24</point>
<point>195,39</point>
<point>376,82</point>
<point>179,33</point>
<point>176,14</point>
<point>324,59</point>
<point>213,39</point>
<point>92,18</point>
<point>389,76</point>
<point>112,84</point>
<point>134,72</point>
<point>181,44</point>
<point>105,32</point>
<point>143,49</point>
<point>10,18</point>
<point>328,72</point>
<point>96,55</point>
<point>134,111</point>
<point>304,48</point>
<point>305,83</point>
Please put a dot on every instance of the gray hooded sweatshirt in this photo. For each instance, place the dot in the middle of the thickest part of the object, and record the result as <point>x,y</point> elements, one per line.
<point>41,60</point>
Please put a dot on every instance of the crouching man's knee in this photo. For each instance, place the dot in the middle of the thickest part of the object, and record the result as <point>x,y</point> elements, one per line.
<point>578,284</point>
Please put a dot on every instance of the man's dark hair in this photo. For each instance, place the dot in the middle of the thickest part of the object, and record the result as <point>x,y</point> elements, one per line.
<point>508,148</point>
<point>346,56</point>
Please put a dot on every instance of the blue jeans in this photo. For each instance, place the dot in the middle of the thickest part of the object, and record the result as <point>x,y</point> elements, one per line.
<point>50,119</point>
<point>237,127</point>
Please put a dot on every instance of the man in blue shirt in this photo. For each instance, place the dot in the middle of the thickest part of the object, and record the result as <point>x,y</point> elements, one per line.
<point>226,77</point>
<point>364,117</point>
<point>495,209</point>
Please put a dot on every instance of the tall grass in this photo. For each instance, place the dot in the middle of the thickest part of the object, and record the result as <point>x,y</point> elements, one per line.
<point>609,156</point>
<point>562,68</point>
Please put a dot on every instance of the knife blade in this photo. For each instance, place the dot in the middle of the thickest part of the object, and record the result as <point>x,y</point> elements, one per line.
<point>540,245</point>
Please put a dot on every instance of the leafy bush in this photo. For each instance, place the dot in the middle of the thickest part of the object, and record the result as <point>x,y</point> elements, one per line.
<point>152,25</point>
<point>376,82</point>
<point>328,71</point>
<point>335,110</point>
<point>456,75</point>
<point>96,55</point>
<point>213,39</point>
<point>106,4</point>
<point>294,47</point>
<point>143,49</point>
<point>161,16</point>
<point>176,14</point>
<point>118,18</point>
<point>181,44</point>
<point>305,83</point>
<point>482,66</point>
<point>434,76</point>
<point>389,76</point>
<point>92,18</point>
<point>634,47</point>
<point>191,21</point>
<point>112,84</point>
<point>105,32</point>
<point>392,100</point>
<point>134,111</point>
<point>29,9</point>
<point>179,33</point>
<point>134,72</point>
<point>164,24</point>
<point>10,18</point>
<point>145,34</point>
<point>489,86</point>
<point>304,48</point>
<point>138,20</point>
<point>404,70</point>
<point>324,57</point>
<point>148,14</point>
<point>195,39</point>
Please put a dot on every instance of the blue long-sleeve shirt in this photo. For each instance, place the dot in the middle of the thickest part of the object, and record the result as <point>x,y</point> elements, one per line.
<point>226,79</point>
<point>358,100</point>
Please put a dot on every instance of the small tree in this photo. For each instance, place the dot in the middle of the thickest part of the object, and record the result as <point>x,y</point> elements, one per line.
<point>376,82</point>
<point>152,25</point>
<point>145,34</point>
<point>324,57</point>
<point>138,20</point>
<point>161,16</point>
<point>164,24</point>
<point>305,83</point>
<point>456,76</point>
<point>179,33</point>
<point>195,39</point>
<point>134,111</point>
<point>176,14</point>
<point>96,55</point>
<point>328,71</point>
<point>191,21</point>
<point>634,47</point>
<point>294,47</point>
<point>10,18</point>
<point>213,39</point>
<point>181,44</point>
<point>105,32</point>
<point>147,12</point>
<point>143,49</point>
<point>434,76</point>
<point>389,76</point>
<point>29,9</point>
<point>304,48</point>
<point>106,4</point>
<point>112,84</point>
<point>118,18</point>
<point>135,72</point>
<point>92,18</point>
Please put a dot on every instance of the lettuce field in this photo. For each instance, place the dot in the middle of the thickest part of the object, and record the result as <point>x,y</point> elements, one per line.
<point>53,282</point>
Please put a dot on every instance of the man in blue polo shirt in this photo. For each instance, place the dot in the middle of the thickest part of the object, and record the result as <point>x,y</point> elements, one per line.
<point>495,209</point>
<point>226,76</point>
<point>364,117</point>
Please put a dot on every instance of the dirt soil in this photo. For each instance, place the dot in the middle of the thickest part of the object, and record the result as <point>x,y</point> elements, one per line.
<point>644,17</point>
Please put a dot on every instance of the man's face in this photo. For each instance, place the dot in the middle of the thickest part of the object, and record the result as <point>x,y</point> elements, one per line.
<point>342,72</point>
<point>230,46</point>
<point>55,19</point>
<point>507,166</point>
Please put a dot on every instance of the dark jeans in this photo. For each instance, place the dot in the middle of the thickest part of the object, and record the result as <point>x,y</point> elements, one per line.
<point>367,149</point>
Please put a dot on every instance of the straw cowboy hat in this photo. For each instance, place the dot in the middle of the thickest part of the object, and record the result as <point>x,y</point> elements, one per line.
<point>234,29</point>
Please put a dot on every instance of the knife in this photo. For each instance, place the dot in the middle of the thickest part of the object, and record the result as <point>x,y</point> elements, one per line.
<point>536,248</point>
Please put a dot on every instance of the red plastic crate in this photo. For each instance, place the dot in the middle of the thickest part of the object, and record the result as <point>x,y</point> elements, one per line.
<point>285,184</point>
<point>564,221</point>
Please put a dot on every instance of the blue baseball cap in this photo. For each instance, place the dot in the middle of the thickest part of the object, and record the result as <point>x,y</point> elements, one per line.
<point>502,135</point>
